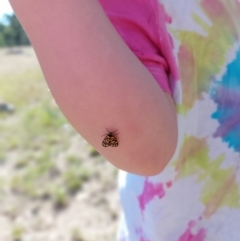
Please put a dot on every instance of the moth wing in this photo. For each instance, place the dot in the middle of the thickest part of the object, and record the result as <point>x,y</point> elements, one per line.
<point>113,142</point>
<point>110,140</point>
<point>106,142</point>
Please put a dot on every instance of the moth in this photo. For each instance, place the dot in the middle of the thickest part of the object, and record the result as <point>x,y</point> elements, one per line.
<point>110,139</point>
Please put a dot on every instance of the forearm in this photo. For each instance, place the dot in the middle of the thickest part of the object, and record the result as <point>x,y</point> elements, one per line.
<point>99,83</point>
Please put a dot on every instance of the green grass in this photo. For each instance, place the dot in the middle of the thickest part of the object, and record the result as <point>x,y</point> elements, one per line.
<point>34,135</point>
<point>76,235</point>
<point>22,89</point>
<point>59,197</point>
<point>17,233</point>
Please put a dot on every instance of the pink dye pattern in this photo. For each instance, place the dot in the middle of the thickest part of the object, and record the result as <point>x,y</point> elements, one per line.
<point>188,236</point>
<point>215,8</point>
<point>150,190</point>
<point>169,184</point>
<point>238,5</point>
<point>143,239</point>
<point>139,233</point>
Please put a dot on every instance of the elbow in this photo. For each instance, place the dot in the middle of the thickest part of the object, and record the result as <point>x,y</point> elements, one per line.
<point>153,161</point>
<point>153,167</point>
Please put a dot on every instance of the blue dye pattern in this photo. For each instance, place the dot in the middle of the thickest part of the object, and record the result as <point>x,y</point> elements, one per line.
<point>226,94</point>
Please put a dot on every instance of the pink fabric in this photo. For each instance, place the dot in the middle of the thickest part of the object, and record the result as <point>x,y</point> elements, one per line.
<point>141,24</point>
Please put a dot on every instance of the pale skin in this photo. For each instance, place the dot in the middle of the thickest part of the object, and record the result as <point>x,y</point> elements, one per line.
<point>99,83</point>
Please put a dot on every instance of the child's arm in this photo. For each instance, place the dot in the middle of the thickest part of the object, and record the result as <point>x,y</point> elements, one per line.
<point>99,83</point>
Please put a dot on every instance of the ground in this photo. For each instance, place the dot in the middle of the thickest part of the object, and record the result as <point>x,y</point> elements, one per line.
<point>53,185</point>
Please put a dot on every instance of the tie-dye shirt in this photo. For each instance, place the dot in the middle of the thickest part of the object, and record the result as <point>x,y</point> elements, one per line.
<point>197,196</point>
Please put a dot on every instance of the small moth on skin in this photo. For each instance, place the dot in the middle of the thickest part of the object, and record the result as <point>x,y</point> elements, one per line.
<point>110,139</point>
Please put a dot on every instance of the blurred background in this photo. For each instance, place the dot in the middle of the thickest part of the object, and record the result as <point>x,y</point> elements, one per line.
<point>53,185</point>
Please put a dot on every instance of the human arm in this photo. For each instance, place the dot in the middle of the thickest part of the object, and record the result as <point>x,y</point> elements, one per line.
<point>99,83</point>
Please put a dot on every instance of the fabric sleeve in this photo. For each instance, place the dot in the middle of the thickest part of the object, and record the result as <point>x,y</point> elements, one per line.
<point>136,23</point>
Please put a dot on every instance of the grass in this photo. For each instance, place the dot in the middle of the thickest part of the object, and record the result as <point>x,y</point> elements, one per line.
<point>33,136</point>
<point>76,235</point>
<point>15,86</point>
<point>17,233</point>
<point>93,152</point>
<point>59,197</point>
